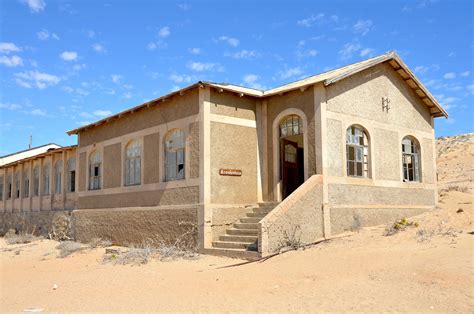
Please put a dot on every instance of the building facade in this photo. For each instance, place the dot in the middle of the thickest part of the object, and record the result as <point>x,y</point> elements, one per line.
<point>245,168</point>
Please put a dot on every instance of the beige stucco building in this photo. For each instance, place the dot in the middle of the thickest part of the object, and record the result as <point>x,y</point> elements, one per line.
<point>250,170</point>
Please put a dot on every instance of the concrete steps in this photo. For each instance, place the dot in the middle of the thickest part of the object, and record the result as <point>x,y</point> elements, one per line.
<point>241,241</point>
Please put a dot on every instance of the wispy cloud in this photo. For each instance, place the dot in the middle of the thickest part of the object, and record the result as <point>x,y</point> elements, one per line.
<point>289,73</point>
<point>362,27</point>
<point>12,61</point>
<point>8,48</point>
<point>38,112</point>
<point>310,21</point>
<point>184,6</point>
<point>243,54</point>
<point>102,113</point>
<point>156,45</point>
<point>231,41</point>
<point>164,32</point>
<point>251,80</point>
<point>99,48</point>
<point>178,78</point>
<point>348,50</point>
<point>36,79</point>
<point>35,5</point>
<point>45,35</point>
<point>10,106</point>
<point>195,51</point>
<point>470,88</point>
<point>367,52</point>
<point>204,66</point>
<point>69,55</point>
<point>450,75</point>
<point>465,73</point>
<point>116,78</point>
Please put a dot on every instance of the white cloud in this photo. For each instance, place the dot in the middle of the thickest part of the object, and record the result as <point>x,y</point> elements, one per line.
<point>102,113</point>
<point>127,95</point>
<point>470,88</point>
<point>310,21</point>
<point>348,50</point>
<point>181,78</point>
<point>164,32</point>
<point>155,45</point>
<point>290,72</point>
<point>34,78</point>
<point>450,75</point>
<point>99,48</point>
<point>78,67</point>
<point>362,27</point>
<point>202,66</point>
<point>38,112</point>
<point>8,47</point>
<point>10,106</point>
<point>367,52</point>
<point>35,5</point>
<point>251,81</point>
<point>69,55</point>
<point>12,61</point>
<point>243,54</point>
<point>234,42</point>
<point>184,6</point>
<point>90,34</point>
<point>116,78</point>
<point>465,73</point>
<point>195,51</point>
<point>45,35</point>
<point>306,53</point>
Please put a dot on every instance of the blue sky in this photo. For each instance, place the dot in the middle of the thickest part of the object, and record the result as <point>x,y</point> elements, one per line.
<point>67,63</point>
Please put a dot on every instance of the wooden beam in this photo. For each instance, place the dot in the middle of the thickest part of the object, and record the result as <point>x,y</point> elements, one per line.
<point>394,64</point>
<point>403,74</point>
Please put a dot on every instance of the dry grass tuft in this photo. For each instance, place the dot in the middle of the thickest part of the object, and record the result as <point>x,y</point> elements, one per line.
<point>399,225</point>
<point>67,248</point>
<point>99,243</point>
<point>12,238</point>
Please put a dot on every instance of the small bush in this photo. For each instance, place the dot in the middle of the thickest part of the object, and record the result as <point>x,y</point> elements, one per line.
<point>399,225</point>
<point>177,250</point>
<point>99,243</point>
<point>66,248</point>
<point>291,239</point>
<point>134,256</point>
<point>22,238</point>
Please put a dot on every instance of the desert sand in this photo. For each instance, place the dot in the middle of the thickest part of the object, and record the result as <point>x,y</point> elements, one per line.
<point>428,268</point>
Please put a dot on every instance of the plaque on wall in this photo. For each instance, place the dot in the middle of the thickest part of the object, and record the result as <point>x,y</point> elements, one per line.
<point>230,172</point>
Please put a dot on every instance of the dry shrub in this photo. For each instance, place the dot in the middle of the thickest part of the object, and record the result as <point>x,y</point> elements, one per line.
<point>424,235</point>
<point>23,237</point>
<point>66,248</point>
<point>99,243</point>
<point>134,256</point>
<point>291,238</point>
<point>399,225</point>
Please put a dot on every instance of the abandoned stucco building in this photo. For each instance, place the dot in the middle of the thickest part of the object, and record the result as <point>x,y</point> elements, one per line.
<point>249,168</point>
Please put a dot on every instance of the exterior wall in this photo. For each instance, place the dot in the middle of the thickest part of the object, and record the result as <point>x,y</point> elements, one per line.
<point>231,105</point>
<point>300,100</point>
<point>39,223</point>
<point>224,217</point>
<point>137,226</point>
<point>151,151</point>
<point>112,164</point>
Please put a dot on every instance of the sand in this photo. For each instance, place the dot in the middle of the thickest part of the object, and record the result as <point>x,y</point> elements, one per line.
<point>428,268</point>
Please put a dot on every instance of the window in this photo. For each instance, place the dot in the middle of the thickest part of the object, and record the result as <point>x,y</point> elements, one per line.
<point>9,187</point>
<point>133,163</point>
<point>411,160</point>
<point>71,174</point>
<point>1,188</point>
<point>17,184</point>
<point>58,170</point>
<point>357,152</point>
<point>95,171</point>
<point>291,125</point>
<point>26,184</point>
<point>46,176</point>
<point>36,176</point>
<point>174,155</point>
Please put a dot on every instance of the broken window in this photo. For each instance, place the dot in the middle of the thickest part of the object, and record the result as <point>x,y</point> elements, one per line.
<point>133,163</point>
<point>36,176</point>
<point>357,152</point>
<point>17,184</point>
<point>411,160</point>
<point>71,174</point>
<point>46,177</point>
<point>95,171</point>
<point>174,155</point>
<point>9,187</point>
<point>58,170</point>
<point>26,184</point>
<point>291,125</point>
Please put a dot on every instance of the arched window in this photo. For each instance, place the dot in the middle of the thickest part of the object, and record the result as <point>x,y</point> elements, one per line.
<point>291,125</point>
<point>71,174</point>
<point>36,176</point>
<point>133,163</point>
<point>95,171</point>
<point>9,187</point>
<point>46,176</point>
<point>26,183</point>
<point>357,152</point>
<point>174,155</point>
<point>17,184</point>
<point>411,159</point>
<point>58,171</point>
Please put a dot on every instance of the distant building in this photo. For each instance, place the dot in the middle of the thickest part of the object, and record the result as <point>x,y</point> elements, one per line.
<point>26,153</point>
<point>245,171</point>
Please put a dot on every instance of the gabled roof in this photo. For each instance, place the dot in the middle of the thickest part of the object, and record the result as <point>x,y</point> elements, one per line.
<point>53,150</point>
<point>327,78</point>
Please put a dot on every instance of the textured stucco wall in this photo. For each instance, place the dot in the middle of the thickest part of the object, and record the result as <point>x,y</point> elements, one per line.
<point>174,108</point>
<point>193,148</point>
<point>233,147</point>
<point>112,166</point>
<point>224,218</point>
<point>136,226</point>
<point>176,196</point>
<point>151,160</point>
<point>375,195</point>
<point>82,174</point>
<point>39,222</point>
<point>428,166</point>
<point>350,219</point>
<point>335,150</point>
<point>361,94</point>
<point>230,104</point>
<point>386,155</point>
<point>303,101</point>
<point>299,218</point>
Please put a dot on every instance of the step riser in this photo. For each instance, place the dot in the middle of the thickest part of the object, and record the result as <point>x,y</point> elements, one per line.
<point>246,226</point>
<point>235,238</point>
<point>231,245</point>
<point>259,215</point>
<point>248,255</point>
<point>242,232</point>
<point>250,220</point>
<point>261,210</point>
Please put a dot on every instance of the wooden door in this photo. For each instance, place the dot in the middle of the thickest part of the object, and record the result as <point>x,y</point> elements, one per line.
<point>289,166</point>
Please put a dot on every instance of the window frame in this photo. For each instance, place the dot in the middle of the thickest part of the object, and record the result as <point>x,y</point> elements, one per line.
<point>36,180</point>
<point>95,180</point>
<point>174,156</point>
<point>415,156</point>
<point>46,190</point>
<point>133,159</point>
<point>58,173</point>
<point>358,142</point>
<point>71,168</point>
<point>26,184</point>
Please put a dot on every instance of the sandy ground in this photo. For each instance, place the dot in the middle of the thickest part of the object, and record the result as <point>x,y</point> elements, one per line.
<point>428,268</point>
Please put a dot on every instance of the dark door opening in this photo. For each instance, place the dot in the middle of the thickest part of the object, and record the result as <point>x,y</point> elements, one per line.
<point>292,170</point>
